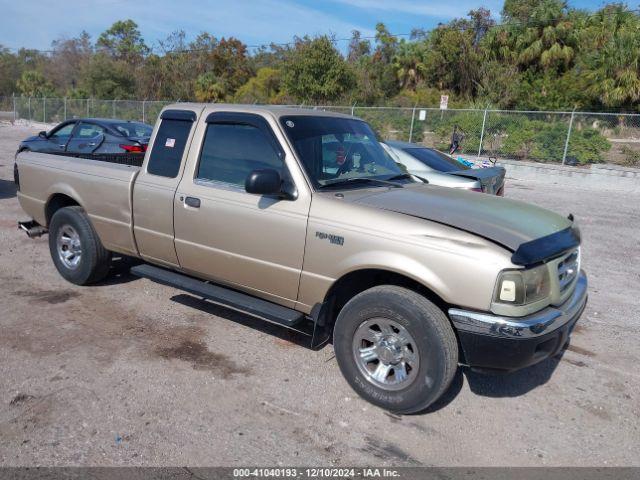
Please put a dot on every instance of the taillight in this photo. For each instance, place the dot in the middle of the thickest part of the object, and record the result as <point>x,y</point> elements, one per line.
<point>134,148</point>
<point>476,190</point>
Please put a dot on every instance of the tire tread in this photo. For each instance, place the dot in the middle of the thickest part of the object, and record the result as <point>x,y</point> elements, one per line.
<point>425,309</point>
<point>98,256</point>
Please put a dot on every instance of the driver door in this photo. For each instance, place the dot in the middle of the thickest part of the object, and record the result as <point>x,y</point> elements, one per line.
<point>251,242</point>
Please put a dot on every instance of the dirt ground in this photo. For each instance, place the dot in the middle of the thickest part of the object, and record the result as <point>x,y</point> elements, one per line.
<point>133,373</point>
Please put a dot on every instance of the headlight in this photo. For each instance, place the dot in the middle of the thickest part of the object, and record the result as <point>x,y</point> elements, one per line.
<point>521,287</point>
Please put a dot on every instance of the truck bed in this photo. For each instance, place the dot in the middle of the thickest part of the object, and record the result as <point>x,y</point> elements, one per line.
<point>103,188</point>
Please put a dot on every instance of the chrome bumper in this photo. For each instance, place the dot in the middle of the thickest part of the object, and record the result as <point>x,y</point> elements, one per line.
<point>534,325</point>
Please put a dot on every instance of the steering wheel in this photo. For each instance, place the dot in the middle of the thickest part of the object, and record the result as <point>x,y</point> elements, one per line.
<point>345,167</point>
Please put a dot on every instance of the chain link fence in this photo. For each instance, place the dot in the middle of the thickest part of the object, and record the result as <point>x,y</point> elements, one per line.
<point>573,138</point>
<point>55,110</point>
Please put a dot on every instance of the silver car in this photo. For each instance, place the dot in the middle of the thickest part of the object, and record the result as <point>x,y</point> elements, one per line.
<point>440,169</point>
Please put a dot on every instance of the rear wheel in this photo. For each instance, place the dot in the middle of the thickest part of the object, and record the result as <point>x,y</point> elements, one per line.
<point>395,348</point>
<point>75,248</point>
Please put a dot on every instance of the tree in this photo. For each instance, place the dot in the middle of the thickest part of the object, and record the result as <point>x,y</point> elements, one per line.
<point>382,68</point>
<point>316,72</point>
<point>32,83</point>
<point>225,59</point>
<point>68,58</point>
<point>611,65</point>
<point>409,63</point>
<point>123,41</point>
<point>9,71</point>
<point>169,75</point>
<point>265,87</point>
<point>105,77</point>
<point>358,48</point>
<point>210,88</point>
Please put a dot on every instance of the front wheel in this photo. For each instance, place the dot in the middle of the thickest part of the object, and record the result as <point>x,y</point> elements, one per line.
<point>395,348</point>
<point>75,248</point>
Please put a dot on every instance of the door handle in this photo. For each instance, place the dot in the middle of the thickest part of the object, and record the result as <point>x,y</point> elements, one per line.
<point>192,202</point>
<point>92,144</point>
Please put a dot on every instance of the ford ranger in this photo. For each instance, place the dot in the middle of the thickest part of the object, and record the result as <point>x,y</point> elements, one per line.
<point>246,206</point>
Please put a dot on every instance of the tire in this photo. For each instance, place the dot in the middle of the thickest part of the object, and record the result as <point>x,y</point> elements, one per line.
<point>71,235</point>
<point>413,383</point>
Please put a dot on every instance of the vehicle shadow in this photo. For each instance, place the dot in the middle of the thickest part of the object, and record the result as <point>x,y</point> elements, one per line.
<point>498,385</point>
<point>7,189</point>
<point>298,338</point>
<point>119,271</point>
<point>513,384</point>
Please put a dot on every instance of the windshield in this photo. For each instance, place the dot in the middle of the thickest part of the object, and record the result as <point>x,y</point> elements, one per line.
<point>436,160</point>
<point>335,149</point>
<point>133,129</point>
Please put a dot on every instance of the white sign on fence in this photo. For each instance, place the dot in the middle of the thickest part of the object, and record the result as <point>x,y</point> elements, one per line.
<point>444,101</point>
<point>422,116</point>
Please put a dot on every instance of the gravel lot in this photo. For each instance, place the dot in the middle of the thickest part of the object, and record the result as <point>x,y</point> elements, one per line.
<point>134,373</point>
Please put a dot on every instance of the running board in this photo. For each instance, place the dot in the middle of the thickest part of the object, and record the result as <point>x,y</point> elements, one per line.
<point>221,295</point>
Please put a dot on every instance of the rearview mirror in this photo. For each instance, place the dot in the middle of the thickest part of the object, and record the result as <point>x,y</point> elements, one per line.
<point>42,134</point>
<point>264,182</point>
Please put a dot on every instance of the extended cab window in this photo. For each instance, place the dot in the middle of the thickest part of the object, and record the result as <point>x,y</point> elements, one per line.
<point>231,151</point>
<point>168,147</point>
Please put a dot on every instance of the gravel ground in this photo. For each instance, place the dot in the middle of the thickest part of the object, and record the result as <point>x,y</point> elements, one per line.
<point>134,373</point>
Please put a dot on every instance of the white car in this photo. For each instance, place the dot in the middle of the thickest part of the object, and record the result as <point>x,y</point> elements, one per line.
<point>440,169</point>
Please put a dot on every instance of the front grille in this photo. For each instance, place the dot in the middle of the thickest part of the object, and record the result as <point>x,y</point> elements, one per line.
<point>568,270</point>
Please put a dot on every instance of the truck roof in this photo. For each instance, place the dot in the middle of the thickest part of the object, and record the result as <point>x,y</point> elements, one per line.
<point>275,110</point>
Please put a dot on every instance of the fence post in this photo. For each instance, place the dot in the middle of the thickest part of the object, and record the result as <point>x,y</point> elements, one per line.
<point>353,108</point>
<point>15,113</point>
<point>29,110</point>
<point>65,109</point>
<point>484,121</point>
<point>44,109</point>
<point>566,143</point>
<point>87,107</point>
<point>413,118</point>
<point>143,112</point>
<point>113,109</point>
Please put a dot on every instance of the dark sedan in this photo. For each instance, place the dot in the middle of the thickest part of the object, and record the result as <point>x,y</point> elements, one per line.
<point>91,136</point>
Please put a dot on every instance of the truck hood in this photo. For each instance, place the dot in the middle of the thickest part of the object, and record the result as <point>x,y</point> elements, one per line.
<point>510,223</point>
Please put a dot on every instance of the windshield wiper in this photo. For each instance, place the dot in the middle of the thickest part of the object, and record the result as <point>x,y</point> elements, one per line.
<point>347,181</point>
<point>401,176</point>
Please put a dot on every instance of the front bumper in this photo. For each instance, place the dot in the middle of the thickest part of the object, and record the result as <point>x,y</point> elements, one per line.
<point>492,342</point>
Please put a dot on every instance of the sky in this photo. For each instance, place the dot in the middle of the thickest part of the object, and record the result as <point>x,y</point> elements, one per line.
<point>35,23</point>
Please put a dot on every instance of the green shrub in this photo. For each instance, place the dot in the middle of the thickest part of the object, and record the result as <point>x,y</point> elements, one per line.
<point>588,145</point>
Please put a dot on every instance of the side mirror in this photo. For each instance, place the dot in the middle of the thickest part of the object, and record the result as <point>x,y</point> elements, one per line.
<point>263,182</point>
<point>43,134</point>
<point>267,182</point>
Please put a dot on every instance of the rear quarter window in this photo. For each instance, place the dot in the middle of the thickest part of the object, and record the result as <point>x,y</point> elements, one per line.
<point>168,147</point>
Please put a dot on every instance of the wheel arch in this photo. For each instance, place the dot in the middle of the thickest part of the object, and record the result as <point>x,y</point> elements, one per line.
<point>57,201</point>
<point>357,281</point>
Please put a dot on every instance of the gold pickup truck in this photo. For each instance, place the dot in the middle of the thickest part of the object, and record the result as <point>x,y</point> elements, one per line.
<point>300,218</point>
